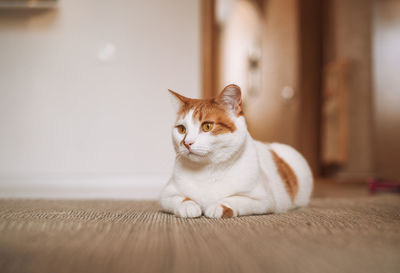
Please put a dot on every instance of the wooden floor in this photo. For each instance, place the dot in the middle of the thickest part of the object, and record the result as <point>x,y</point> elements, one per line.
<point>343,230</point>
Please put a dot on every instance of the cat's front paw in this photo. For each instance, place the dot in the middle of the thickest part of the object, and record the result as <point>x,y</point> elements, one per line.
<point>188,209</point>
<point>219,211</point>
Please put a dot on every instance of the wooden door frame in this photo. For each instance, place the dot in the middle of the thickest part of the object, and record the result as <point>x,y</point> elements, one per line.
<point>310,75</point>
<point>208,48</point>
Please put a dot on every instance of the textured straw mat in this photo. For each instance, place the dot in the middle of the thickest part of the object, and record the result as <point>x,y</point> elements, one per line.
<point>332,235</point>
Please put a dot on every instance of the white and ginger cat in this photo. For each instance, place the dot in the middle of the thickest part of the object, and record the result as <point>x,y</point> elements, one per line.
<point>221,171</point>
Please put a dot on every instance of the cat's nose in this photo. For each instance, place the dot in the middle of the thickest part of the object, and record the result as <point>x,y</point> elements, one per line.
<point>188,143</point>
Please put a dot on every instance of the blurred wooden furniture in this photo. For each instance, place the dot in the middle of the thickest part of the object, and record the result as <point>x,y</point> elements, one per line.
<point>334,122</point>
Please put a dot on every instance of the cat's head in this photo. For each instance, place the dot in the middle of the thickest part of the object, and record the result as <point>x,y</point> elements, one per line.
<point>209,130</point>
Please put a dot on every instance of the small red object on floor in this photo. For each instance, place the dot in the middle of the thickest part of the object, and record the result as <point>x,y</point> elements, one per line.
<point>375,184</point>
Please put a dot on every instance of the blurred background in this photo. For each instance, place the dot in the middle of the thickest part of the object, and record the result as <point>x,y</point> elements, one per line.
<point>84,107</point>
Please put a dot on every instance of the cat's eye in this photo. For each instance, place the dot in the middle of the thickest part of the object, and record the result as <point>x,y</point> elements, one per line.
<point>181,129</point>
<point>207,126</point>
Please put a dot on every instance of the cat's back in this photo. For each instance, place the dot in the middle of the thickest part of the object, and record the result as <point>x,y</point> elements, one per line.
<point>288,170</point>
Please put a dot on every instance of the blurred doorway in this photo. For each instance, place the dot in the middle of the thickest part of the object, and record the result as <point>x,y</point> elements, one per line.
<point>262,46</point>
<point>317,75</point>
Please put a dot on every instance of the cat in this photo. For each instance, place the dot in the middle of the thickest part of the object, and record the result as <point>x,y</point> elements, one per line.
<point>221,171</point>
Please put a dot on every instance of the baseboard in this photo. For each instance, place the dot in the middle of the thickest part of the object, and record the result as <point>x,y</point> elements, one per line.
<point>82,186</point>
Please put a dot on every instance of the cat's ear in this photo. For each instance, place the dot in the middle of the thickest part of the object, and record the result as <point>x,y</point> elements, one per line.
<point>177,99</point>
<point>232,97</point>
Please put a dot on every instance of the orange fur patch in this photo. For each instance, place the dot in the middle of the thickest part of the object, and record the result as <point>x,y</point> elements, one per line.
<point>213,110</point>
<point>186,199</point>
<point>226,212</point>
<point>288,176</point>
<point>183,140</point>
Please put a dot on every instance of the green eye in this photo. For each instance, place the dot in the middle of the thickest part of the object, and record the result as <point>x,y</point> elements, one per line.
<point>181,129</point>
<point>207,126</point>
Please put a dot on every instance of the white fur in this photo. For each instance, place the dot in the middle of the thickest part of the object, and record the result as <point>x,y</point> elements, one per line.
<point>232,170</point>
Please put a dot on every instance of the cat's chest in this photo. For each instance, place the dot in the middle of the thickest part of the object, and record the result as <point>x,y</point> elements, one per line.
<point>209,178</point>
<point>205,187</point>
<point>208,186</point>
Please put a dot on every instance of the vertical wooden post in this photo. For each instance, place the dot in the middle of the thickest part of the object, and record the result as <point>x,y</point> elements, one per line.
<point>208,48</point>
<point>310,80</point>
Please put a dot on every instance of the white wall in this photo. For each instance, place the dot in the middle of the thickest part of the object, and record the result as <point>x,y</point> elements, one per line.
<point>239,40</point>
<point>84,109</point>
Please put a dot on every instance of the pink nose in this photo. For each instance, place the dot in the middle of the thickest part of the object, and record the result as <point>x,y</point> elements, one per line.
<point>188,143</point>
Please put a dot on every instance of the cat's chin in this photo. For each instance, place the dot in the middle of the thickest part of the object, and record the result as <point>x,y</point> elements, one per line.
<point>195,157</point>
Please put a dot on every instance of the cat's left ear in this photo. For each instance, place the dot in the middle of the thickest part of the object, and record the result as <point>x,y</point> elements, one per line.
<point>177,99</point>
<point>232,97</point>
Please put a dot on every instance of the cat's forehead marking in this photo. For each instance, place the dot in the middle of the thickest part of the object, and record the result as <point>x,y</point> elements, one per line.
<point>208,110</point>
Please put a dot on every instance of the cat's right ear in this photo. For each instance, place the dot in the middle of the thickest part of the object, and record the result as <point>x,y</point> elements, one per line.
<point>178,100</point>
